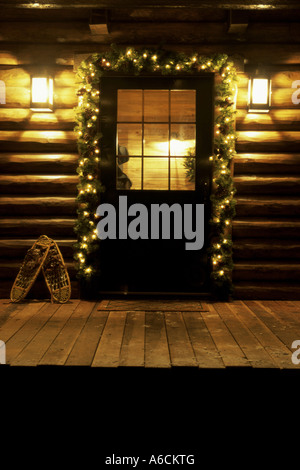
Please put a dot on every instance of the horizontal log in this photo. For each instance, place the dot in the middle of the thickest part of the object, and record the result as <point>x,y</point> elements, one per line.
<point>10,268</point>
<point>280,98</point>
<point>26,119</point>
<point>257,163</point>
<point>63,54</point>
<point>17,81</point>
<point>153,14</point>
<point>266,290</point>
<point>20,76</point>
<point>267,271</point>
<point>275,120</point>
<point>34,227</point>
<point>35,14</point>
<point>38,141</point>
<point>47,55</point>
<point>38,184</point>
<point>12,248</point>
<point>49,32</point>
<point>210,32</point>
<point>257,228</point>
<point>234,4</point>
<point>38,163</point>
<point>19,97</point>
<point>275,207</point>
<point>271,249</point>
<point>280,78</point>
<point>253,207</point>
<point>265,141</point>
<point>267,185</point>
<point>142,31</point>
<point>37,206</point>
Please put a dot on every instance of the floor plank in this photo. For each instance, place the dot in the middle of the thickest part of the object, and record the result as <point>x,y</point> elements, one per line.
<point>108,350</point>
<point>253,333</point>
<point>253,350</point>
<point>275,348</point>
<point>133,345</point>
<point>85,346</point>
<point>287,312</point>
<point>156,344</point>
<point>39,344</point>
<point>29,330</point>
<point>284,331</point>
<point>206,353</point>
<point>18,318</point>
<point>62,345</point>
<point>181,351</point>
<point>9,309</point>
<point>294,305</point>
<point>231,353</point>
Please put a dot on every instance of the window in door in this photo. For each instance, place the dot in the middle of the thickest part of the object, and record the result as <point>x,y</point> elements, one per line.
<point>156,139</point>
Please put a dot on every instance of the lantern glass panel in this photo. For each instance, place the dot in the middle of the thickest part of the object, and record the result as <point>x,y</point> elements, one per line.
<point>260,91</point>
<point>40,90</point>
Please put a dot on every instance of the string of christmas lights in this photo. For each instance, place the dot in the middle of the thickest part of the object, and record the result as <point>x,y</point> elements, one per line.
<point>161,62</point>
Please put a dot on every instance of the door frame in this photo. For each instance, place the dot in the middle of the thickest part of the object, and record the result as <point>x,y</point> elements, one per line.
<point>129,61</point>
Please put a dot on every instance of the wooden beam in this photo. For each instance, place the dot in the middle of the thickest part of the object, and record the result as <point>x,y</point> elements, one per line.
<point>265,228</point>
<point>53,54</point>
<point>111,4</point>
<point>252,184</point>
<point>31,227</point>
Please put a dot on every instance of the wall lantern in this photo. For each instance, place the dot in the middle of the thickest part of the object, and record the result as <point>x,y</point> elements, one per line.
<point>41,93</point>
<point>259,94</point>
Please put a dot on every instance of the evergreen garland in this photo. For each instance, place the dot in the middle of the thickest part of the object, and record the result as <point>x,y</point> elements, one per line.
<point>160,62</point>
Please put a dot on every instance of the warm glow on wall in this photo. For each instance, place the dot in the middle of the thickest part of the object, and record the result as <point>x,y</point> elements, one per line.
<point>42,93</point>
<point>259,95</point>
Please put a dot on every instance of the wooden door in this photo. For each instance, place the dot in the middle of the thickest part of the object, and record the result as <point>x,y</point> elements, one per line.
<point>157,136</point>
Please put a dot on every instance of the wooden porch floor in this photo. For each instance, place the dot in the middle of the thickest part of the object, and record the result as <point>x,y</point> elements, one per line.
<point>255,334</point>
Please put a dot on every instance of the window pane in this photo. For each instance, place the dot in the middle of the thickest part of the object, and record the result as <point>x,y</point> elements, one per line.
<point>183,139</point>
<point>129,174</point>
<point>156,105</point>
<point>156,172</point>
<point>130,105</point>
<point>182,171</point>
<point>156,139</point>
<point>129,139</point>
<point>183,106</point>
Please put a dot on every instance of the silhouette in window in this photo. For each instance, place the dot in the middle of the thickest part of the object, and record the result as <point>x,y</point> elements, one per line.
<point>123,182</point>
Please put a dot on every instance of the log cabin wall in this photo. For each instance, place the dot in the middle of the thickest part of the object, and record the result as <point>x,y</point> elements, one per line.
<point>38,150</point>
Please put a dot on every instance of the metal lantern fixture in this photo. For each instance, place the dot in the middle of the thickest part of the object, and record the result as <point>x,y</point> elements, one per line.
<point>41,93</point>
<point>259,98</point>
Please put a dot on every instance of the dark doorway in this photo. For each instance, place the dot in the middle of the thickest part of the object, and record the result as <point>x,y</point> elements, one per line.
<point>157,137</point>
